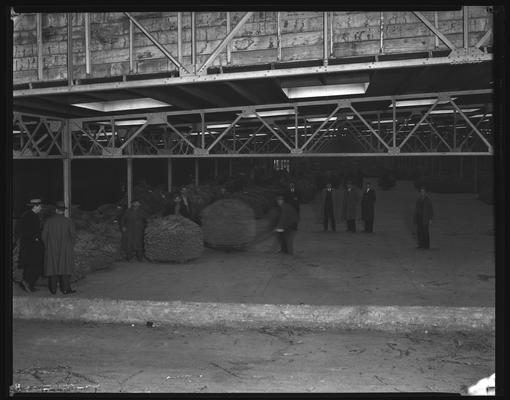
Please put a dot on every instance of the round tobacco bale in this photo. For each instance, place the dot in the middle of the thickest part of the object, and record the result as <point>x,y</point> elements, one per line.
<point>228,224</point>
<point>173,238</point>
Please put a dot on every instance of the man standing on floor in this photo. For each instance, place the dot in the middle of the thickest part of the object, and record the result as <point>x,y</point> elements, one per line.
<point>287,225</point>
<point>349,206</point>
<point>423,215</point>
<point>31,254</point>
<point>330,205</point>
<point>58,236</point>
<point>133,224</point>
<point>292,196</point>
<point>367,207</point>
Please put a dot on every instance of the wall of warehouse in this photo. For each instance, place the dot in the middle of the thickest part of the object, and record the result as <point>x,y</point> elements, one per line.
<point>354,34</point>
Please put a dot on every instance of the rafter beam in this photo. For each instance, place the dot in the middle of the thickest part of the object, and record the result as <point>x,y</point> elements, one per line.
<point>156,43</point>
<point>434,30</point>
<point>225,41</point>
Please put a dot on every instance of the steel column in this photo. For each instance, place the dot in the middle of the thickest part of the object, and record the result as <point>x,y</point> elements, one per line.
<point>197,171</point>
<point>325,38</point>
<point>465,15</point>
<point>169,174</point>
<point>381,33</point>
<point>193,43</point>
<point>87,43</point>
<point>436,25</point>
<point>69,50</point>
<point>39,47</point>
<point>179,37</point>
<point>394,103</point>
<point>278,37</point>
<point>129,182</point>
<point>131,45</point>
<point>229,54</point>
<point>66,165</point>
<point>215,168</point>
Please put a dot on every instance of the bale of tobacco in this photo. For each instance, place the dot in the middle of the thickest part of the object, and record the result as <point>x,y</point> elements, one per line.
<point>173,238</point>
<point>228,224</point>
<point>154,200</point>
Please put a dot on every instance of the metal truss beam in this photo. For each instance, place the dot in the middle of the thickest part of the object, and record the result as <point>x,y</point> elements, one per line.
<point>233,76</point>
<point>156,43</point>
<point>434,30</point>
<point>225,41</point>
<point>473,127</point>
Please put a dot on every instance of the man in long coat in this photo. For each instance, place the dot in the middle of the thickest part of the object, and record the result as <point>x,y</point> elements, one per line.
<point>329,206</point>
<point>58,236</point>
<point>367,207</point>
<point>292,196</point>
<point>31,255</point>
<point>133,224</point>
<point>349,205</point>
<point>423,214</point>
<point>287,225</point>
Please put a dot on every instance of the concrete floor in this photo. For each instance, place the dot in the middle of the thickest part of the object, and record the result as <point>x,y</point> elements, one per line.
<point>339,269</point>
<point>88,357</point>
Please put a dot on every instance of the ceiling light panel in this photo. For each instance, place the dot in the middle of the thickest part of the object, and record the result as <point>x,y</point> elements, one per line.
<point>325,90</point>
<point>123,105</point>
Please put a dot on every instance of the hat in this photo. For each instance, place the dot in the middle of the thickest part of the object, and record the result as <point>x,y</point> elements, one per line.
<point>34,202</point>
<point>136,202</point>
<point>60,205</point>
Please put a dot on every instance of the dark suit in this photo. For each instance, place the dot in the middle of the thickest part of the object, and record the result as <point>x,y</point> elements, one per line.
<point>31,253</point>
<point>367,209</point>
<point>423,214</point>
<point>293,198</point>
<point>288,221</point>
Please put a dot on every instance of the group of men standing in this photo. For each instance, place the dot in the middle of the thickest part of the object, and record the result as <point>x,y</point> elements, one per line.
<point>46,249</point>
<point>333,208</point>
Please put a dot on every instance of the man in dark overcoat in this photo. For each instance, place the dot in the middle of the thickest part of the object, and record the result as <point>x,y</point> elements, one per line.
<point>287,225</point>
<point>423,214</point>
<point>31,255</point>
<point>59,235</point>
<point>330,206</point>
<point>367,207</point>
<point>133,224</point>
<point>292,196</point>
<point>349,205</point>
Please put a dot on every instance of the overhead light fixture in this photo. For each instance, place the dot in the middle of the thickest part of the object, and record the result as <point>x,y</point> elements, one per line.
<point>325,90</point>
<point>321,119</point>
<point>451,111</point>
<point>199,133</point>
<point>126,122</point>
<point>386,121</point>
<point>481,115</point>
<point>419,102</point>
<point>220,126</point>
<point>299,127</point>
<point>16,131</point>
<point>271,113</point>
<point>123,105</point>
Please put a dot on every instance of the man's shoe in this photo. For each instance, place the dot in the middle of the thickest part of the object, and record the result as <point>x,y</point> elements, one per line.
<point>33,289</point>
<point>70,291</point>
<point>53,291</point>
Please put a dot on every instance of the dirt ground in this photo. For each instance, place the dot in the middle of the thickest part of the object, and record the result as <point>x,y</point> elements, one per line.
<point>88,357</point>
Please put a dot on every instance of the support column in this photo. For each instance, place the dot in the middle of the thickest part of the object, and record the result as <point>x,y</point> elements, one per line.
<point>69,49</point>
<point>197,171</point>
<point>129,187</point>
<point>476,174</point>
<point>229,167</point>
<point>66,165</point>
<point>169,174</point>
<point>215,168</point>
<point>461,167</point>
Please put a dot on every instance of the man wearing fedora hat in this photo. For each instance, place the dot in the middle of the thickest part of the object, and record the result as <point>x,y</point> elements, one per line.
<point>58,236</point>
<point>133,224</point>
<point>31,254</point>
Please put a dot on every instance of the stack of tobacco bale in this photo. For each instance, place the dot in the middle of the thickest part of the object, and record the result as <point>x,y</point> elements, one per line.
<point>228,224</point>
<point>155,200</point>
<point>173,238</point>
<point>201,196</point>
<point>234,223</point>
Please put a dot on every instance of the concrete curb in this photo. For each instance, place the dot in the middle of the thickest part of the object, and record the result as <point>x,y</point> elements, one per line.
<point>236,315</point>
